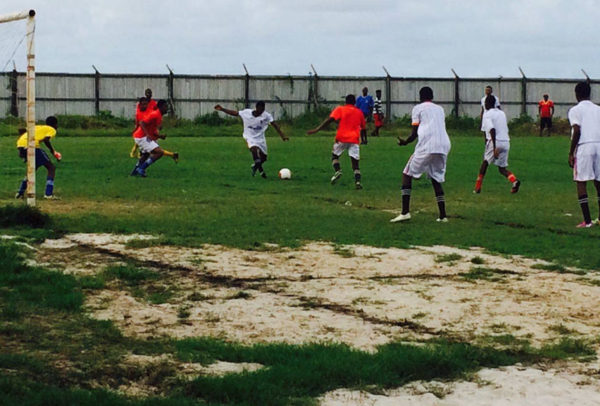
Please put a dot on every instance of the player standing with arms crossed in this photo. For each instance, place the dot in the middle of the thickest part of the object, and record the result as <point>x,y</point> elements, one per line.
<point>497,145</point>
<point>584,155</point>
<point>431,152</point>
<point>256,123</point>
<point>351,123</point>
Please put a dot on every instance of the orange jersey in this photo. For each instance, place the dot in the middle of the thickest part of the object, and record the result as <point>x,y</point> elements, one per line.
<point>152,105</point>
<point>350,121</point>
<point>545,107</point>
<point>152,120</point>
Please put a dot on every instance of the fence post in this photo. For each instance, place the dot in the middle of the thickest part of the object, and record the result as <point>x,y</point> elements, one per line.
<point>388,95</point>
<point>523,92</point>
<point>315,87</point>
<point>14,93</point>
<point>96,90</point>
<point>456,94</point>
<point>246,87</point>
<point>170,93</point>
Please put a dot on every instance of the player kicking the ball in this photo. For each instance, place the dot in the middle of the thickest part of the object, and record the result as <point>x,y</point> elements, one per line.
<point>584,155</point>
<point>431,151</point>
<point>497,144</point>
<point>145,137</point>
<point>351,123</point>
<point>256,123</point>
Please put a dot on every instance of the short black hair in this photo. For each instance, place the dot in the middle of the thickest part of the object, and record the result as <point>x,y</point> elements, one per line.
<point>490,102</point>
<point>161,103</point>
<point>351,99</point>
<point>260,103</point>
<point>52,121</point>
<point>489,87</point>
<point>426,93</point>
<point>583,90</point>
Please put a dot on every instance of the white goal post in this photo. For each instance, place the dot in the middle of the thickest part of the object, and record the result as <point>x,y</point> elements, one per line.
<point>30,86</point>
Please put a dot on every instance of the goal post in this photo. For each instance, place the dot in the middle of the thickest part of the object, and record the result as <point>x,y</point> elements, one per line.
<point>30,95</point>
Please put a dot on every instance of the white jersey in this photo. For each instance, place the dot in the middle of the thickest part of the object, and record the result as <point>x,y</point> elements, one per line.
<point>587,116</point>
<point>433,138</point>
<point>255,127</point>
<point>496,119</point>
<point>496,105</point>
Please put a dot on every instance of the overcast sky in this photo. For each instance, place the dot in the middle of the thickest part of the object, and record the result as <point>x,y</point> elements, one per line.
<point>547,38</point>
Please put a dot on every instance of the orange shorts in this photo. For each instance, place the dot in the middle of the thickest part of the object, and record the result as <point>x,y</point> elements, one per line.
<point>378,120</point>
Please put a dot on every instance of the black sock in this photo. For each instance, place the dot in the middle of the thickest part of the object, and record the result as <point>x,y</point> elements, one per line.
<point>258,164</point>
<point>406,199</point>
<point>357,176</point>
<point>585,208</point>
<point>441,202</point>
<point>337,167</point>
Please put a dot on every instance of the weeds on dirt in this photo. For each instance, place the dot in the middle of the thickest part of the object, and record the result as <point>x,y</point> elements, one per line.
<point>448,257</point>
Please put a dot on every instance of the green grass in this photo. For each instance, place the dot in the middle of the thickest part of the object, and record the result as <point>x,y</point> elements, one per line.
<point>448,258</point>
<point>210,197</point>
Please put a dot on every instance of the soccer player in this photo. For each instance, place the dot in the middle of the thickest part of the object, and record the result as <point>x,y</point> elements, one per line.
<point>43,133</point>
<point>488,92</point>
<point>146,136</point>
<point>255,123</point>
<point>351,123</point>
<point>497,145</point>
<point>146,103</point>
<point>431,151</point>
<point>584,155</point>
<point>365,104</point>
<point>546,111</point>
<point>377,113</point>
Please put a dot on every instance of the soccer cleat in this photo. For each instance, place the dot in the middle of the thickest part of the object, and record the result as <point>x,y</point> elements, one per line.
<point>401,217</point>
<point>51,197</point>
<point>477,190</point>
<point>515,186</point>
<point>335,177</point>
<point>583,224</point>
<point>358,185</point>
<point>19,196</point>
<point>140,172</point>
<point>264,175</point>
<point>442,220</point>
<point>176,157</point>
<point>134,171</point>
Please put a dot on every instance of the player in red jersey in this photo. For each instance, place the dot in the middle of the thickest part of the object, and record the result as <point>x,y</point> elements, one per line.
<point>351,121</point>
<point>145,137</point>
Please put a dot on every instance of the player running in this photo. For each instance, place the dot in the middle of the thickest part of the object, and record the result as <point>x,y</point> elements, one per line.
<point>584,155</point>
<point>256,123</point>
<point>145,137</point>
<point>497,145</point>
<point>43,133</point>
<point>351,124</point>
<point>145,104</point>
<point>431,152</point>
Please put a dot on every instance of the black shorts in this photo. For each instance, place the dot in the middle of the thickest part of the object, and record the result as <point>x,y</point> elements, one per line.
<point>546,122</point>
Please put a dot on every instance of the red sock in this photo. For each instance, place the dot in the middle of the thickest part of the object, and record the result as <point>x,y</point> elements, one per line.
<point>478,182</point>
<point>511,177</point>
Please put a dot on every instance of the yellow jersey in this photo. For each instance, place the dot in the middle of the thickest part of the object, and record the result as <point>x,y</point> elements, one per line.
<point>41,133</point>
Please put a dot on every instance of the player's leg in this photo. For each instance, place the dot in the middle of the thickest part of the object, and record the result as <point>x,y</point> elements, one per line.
<point>479,181</point>
<point>542,124</point>
<point>257,159</point>
<point>354,153</point>
<point>173,155</point>
<point>338,149</point>
<point>549,126</point>
<point>363,136</point>
<point>49,192</point>
<point>583,203</point>
<point>516,183</point>
<point>406,192</point>
<point>133,151</point>
<point>263,159</point>
<point>597,186</point>
<point>155,154</point>
<point>440,199</point>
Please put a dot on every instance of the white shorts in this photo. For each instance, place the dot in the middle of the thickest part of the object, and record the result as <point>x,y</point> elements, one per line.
<point>502,160</point>
<point>587,162</point>
<point>260,142</point>
<point>434,165</point>
<point>146,145</point>
<point>353,149</point>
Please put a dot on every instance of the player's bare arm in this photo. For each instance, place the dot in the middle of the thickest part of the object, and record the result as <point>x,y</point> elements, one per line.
<point>574,142</point>
<point>54,152</point>
<point>233,113</point>
<point>413,136</point>
<point>278,129</point>
<point>321,126</point>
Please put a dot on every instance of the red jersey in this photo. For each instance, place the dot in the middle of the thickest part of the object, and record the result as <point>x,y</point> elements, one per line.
<point>152,120</point>
<point>350,121</point>
<point>152,105</point>
<point>545,108</point>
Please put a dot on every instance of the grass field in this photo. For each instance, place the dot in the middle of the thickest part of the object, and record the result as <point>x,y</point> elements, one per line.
<point>210,197</point>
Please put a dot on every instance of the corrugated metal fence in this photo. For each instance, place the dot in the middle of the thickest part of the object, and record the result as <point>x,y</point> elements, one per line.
<point>194,95</point>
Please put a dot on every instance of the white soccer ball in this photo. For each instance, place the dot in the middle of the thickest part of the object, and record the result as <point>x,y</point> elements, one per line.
<point>285,173</point>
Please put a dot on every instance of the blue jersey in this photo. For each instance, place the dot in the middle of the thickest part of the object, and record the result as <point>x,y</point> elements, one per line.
<point>365,104</point>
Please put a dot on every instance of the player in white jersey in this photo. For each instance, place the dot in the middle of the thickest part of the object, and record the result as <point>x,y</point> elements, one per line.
<point>256,123</point>
<point>488,92</point>
<point>497,145</point>
<point>431,151</point>
<point>584,155</point>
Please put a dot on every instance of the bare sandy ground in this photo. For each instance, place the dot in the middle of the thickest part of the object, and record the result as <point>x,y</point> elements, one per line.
<point>359,295</point>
